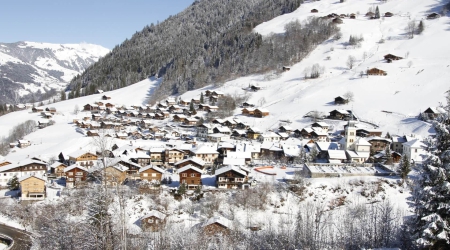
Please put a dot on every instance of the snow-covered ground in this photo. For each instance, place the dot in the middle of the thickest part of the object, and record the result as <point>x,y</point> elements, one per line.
<point>404,92</point>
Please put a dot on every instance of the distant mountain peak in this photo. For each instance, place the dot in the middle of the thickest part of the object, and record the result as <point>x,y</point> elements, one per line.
<point>34,67</point>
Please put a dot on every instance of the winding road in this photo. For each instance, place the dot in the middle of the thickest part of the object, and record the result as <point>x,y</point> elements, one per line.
<point>21,238</point>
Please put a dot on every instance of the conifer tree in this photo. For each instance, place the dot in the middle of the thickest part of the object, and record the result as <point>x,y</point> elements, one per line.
<point>202,99</point>
<point>431,224</point>
<point>63,95</point>
<point>405,167</point>
<point>377,13</point>
<point>420,28</point>
<point>13,184</point>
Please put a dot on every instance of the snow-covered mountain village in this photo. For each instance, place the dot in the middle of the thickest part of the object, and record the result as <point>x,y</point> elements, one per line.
<point>279,160</point>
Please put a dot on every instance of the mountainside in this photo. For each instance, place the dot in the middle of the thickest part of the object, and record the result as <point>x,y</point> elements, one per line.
<point>210,42</point>
<point>29,69</point>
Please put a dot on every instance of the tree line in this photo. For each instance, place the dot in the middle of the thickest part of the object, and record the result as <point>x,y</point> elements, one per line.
<point>209,42</point>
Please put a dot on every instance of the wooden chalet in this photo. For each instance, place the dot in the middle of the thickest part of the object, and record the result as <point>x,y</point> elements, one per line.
<point>253,133</point>
<point>115,174</point>
<point>230,178</point>
<point>90,107</point>
<point>388,14</point>
<point>322,125</point>
<point>314,11</point>
<point>82,158</point>
<point>261,113</point>
<point>353,16</point>
<point>378,143</point>
<point>52,110</point>
<point>286,68</point>
<point>154,221</point>
<point>92,133</point>
<point>173,155</point>
<point>23,143</point>
<point>339,114</point>
<point>75,176</point>
<point>217,226</point>
<point>106,97</point>
<point>152,174</point>
<point>285,129</point>
<point>248,111</point>
<point>389,58</point>
<point>340,100</point>
<point>57,169</point>
<point>32,187</point>
<point>432,112</point>
<point>37,109</point>
<point>190,176</point>
<point>43,124</point>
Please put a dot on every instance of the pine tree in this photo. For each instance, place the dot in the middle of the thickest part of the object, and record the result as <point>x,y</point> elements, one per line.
<point>420,28</point>
<point>377,13</point>
<point>431,224</point>
<point>191,107</point>
<point>405,167</point>
<point>182,189</point>
<point>202,99</point>
<point>13,184</point>
<point>63,95</point>
<point>388,136</point>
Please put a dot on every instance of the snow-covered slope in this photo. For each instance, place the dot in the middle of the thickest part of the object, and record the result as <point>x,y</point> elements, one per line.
<point>404,92</point>
<point>26,67</point>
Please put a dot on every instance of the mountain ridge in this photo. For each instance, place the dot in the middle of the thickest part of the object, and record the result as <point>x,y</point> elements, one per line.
<point>30,71</point>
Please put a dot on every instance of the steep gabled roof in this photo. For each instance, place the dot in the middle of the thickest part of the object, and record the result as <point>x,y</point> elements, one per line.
<point>151,167</point>
<point>29,176</point>
<point>187,167</point>
<point>193,159</point>
<point>154,213</point>
<point>230,168</point>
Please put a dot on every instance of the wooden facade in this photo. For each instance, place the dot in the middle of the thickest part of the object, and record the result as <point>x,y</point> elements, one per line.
<point>230,178</point>
<point>190,176</point>
<point>376,72</point>
<point>32,188</point>
<point>75,176</point>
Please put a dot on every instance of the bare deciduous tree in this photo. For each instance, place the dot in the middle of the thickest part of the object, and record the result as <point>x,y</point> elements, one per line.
<point>349,96</point>
<point>351,61</point>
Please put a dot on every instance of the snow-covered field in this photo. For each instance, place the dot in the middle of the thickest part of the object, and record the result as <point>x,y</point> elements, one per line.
<point>404,92</point>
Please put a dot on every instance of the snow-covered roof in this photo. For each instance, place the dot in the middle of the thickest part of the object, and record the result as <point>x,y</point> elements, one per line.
<point>325,146</point>
<point>20,163</point>
<point>219,220</point>
<point>157,150</point>
<point>151,167</point>
<point>205,149</point>
<point>57,164</point>
<point>230,168</point>
<point>270,134</point>
<point>362,142</point>
<point>78,153</point>
<point>154,213</point>
<point>29,176</point>
<point>414,144</point>
<point>189,167</point>
<point>234,161</point>
<point>337,154</point>
<point>74,166</point>
<point>193,159</point>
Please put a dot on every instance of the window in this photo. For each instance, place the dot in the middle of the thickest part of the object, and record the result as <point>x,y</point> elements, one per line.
<point>79,173</point>
<point>70,173</point>
<point>70,179</point>
<point>415,150</point>
<point>352,133</point>
<point>193,175</point>
<point>150,220</point>
<point>183,175</point>
<point>153,175</point>
<point>145,174</point>
<point>351,140</point>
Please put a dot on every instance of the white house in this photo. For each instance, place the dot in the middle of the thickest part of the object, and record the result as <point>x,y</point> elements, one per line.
<point>269,137</point>
<point>414,150</point>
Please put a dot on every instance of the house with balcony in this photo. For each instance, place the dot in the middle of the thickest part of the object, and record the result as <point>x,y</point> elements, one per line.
<point>230,177</point>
